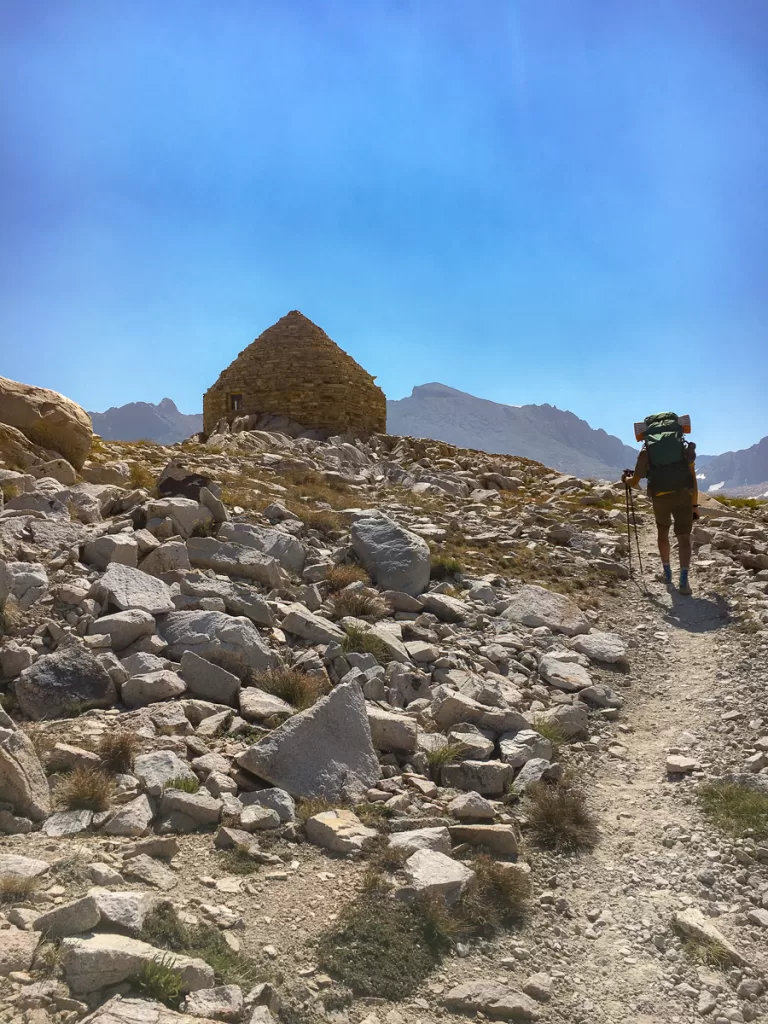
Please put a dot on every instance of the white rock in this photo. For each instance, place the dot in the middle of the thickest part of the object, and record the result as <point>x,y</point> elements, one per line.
<point>434,873</point>
<point>126,588</point>
<point>536,606</point>
<point>99,960</point>
<point>338,831</point>
<point>395,558</point>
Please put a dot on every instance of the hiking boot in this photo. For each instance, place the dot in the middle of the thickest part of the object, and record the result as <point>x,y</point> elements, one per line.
<point>685,589</point>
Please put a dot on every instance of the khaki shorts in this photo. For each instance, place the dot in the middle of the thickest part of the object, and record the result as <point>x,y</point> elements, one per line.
<point>677,505</point>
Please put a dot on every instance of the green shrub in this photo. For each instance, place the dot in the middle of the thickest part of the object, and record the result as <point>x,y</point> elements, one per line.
<point>735,809</point>
<point>360,640</point>
<point>185,783</point>
<point>160,980</point>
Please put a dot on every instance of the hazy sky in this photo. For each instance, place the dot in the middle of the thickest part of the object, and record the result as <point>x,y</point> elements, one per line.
<point>556,201</point>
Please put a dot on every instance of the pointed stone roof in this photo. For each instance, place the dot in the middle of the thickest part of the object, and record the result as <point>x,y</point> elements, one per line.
<point>294,369</point>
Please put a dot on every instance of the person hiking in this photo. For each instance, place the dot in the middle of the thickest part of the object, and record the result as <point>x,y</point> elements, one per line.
<point>669,463</point>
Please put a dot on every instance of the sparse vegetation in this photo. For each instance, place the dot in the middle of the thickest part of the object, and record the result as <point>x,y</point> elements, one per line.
<point>73,869</point>
<point>160,980</point>
<point>445,567</point>
<point>374,815</point>
<point>326,522</point>
<point>738,502</point>
<point>360,604</point>
<point>550,731</point>
<point>340,576</point>
<point>117,751</point>
<point>449,753</point>
<point>362,641</point>
<point>380,947</point>
<point>185,783</point>
<point>15,888</point>
<point>558,817</point>
<point>238,861</point>
<point>141,477</point>
<point>297,688</point>
<point>707,952</point>
<point>384,857</point>
<point>735,809</point>
<point>499,895</point>
<point>308,808</point>
<point>87,789</point>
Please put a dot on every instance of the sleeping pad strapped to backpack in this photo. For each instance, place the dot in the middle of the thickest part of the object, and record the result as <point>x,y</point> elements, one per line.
<point>668,466</point>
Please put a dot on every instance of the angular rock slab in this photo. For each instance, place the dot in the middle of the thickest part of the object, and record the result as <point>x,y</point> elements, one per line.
<point>692,924</point>
<point>494,1000</point>
<point>430,873</point>
<point>17,948</point>
<point>209,681</point>
<point>57,682</point>
<point>69,919</point>
<point>338,831</point>
<point>395,558</point>
<point>606,647</point>
<point>536,606</point>
<point>437,839</point>
<point>232,559</point>
<point>230,641</point>
<point>127,588</point>
<point>48,419</point>
<point>139,1011</point>
<point>325,751</point>
<point>564,675</point>
<point>99,960</point>
<point>23,782</point>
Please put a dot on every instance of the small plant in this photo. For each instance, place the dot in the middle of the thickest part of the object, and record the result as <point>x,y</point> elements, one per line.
<point>500,894</point>
<point>445,567</point>
<point>384,857</point>
<point>87,789</point>
<point>340,576</point>
<point>73,870</point>
<point>359,604</point>
<point>185,783</point>
<point>550,731</point>
<point>735,809</point>
<point>141,477</point>
<point>375,815</point>
<point>438,757</point>
<point>324,521</point>
<point>238,861</point>
<point>204,529</point>
<point>738,502</point>
<point>296,688</point>
<point>709,952</point>
<point>14,888</point>
<point>11,617</point>
<point>117,751</point>
<point>159,979</point>
<point>558,817</point>
<point>380,947</point>
<point>306,809</point>
<point>162,928</point>
<point>360,640</point>
<point>9,490</point>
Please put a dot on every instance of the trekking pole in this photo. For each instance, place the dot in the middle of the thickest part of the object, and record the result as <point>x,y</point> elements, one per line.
<point>637,539</point>
<point>629,534</point>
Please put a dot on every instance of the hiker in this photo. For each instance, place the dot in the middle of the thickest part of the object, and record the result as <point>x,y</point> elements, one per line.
<point>668,461</point>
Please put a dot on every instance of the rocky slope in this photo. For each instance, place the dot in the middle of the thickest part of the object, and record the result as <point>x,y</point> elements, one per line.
<point>743,472</point>
<point>540,432</point>
<point>372,732</point>
<point>139,421</point>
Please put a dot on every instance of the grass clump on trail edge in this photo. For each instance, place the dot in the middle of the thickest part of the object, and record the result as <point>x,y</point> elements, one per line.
<point>117,751</point>
<point>381,947</point>
<point>184,783</point>
<point>291,685</point>
<point>163,928</point>
<point>558,817</point>
<point>360,640</point>
<point>735,809</point>
<point>88,789</point>
<point>159,980</point>
<point>705,951</point>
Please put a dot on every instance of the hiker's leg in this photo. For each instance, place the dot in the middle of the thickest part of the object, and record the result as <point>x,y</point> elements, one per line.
<point>684,547</point>
<point>663,539</point>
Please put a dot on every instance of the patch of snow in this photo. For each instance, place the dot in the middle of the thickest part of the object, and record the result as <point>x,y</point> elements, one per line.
<point>717,487</point>
<point>701,476</point>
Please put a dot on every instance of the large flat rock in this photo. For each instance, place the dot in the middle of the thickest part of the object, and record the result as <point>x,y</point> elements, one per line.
<point>230,641</point>
<point>95,961</point>
<point>125,588</point>
<point>536,606</point>
<point>69,678</point>
<point>395,558</point>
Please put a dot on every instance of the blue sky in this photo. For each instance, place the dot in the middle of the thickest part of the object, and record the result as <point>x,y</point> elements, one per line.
<point>556,201</point>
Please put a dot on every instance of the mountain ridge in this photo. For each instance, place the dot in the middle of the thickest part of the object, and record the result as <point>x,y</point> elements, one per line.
<point>138,421</point>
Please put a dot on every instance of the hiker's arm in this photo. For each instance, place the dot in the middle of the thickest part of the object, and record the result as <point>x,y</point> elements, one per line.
<point>641,470</point>
<point>695,484</point>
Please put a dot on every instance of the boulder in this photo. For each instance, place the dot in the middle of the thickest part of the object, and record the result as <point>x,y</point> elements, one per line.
<point>472,807</point>
<point>536,606</point>
<point>453,708</point>
<point>123,628</point>
<point>607,647</point>
<point>232,559</point>
<point>186,515</point>
<point>563,674</point>
<point>47,419</point>
<point>132,819</point>
<point>339,831</point>
<point>28,583</point>
<point>693,925</point>
<point>312,628</point>
<point>112,547</point>
<point>395,558</point>
<point>69,919</point>
<point>390,731</point>
<point>57,683</point>
<point>256,705</point>
<point>223,1003</point>
<point>12,865</point>
<point>571,720</point>
<point>437,839</point>
<point>169,557</point>
<point>23,783</point>
<point>122,1010</point>
<point>151,687</point>
<point>123,911</point>
<point>501,840</point>
<point>287,550</point>
<point>494,1000</point>
<point>17,949</point>
<point>516,748</point>
<point>325,751</point>
<point>489,778</point>
<point>126,588</point>
<point>238,598</point>
<point>432,873</point>
<point>156,769</point>
<point>258,819</point>
<point>209,681</point>
<point>68,823</point>
<point>232,642</point>
<point>185,812</point>
<point>96,961</point>
<point>447,609</point>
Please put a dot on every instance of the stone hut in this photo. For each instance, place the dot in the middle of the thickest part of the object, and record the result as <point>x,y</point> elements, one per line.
<point>294,371</point>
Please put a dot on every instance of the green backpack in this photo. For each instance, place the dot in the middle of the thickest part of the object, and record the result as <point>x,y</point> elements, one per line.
<point>668,466</point>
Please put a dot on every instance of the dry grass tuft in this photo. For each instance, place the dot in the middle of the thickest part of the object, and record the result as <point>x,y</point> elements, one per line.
<point>445,567</point>
<point>117,751</point>
<point>291,685</point>
<point>340,576</point>
<point>87,789</point>
<point>359,604</point>
<point>313,805</point>
<point>499,895</point>
<point>141,477</point>
<point>558,817</point>
<point>184,783</point>
<point>362,641</point>
<point>438,758</point>
<point>15,888</point>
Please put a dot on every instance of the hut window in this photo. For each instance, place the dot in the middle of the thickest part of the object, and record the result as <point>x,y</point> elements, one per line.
<point>235,402</point>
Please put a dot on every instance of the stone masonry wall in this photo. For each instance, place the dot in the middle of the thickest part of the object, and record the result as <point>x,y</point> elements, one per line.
<point>294,369</point>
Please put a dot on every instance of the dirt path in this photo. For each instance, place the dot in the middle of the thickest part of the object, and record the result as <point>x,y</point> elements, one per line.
<point>620,965</point>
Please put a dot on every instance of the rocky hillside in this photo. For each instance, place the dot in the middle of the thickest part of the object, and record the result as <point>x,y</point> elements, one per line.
<point>743,472</point>
<point>372,733</point>
<point>540,432</point>
<point>143,421</point>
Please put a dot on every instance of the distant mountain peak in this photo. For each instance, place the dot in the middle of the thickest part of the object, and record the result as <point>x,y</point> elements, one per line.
<point>543,432</point>
<point>139,421</point>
